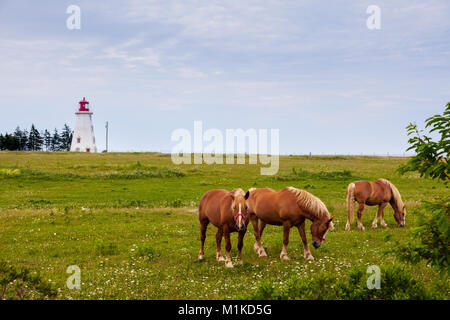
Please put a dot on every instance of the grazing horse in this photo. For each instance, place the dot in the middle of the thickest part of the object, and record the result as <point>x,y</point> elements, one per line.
<point>226,210</point>
<point>288,208</point>
<point>380,192</point>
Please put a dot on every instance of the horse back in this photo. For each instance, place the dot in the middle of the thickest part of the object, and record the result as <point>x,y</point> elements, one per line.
<point>210,205</point>
<point>272,206</point>
<point>372,193</point>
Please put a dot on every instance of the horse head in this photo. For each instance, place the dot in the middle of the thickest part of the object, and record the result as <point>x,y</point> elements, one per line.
<point>319,229</point>
<point>239,209</point>
<point>400,216</point>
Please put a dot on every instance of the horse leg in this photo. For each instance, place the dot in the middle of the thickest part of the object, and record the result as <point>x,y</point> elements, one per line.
<point>228,262</point>
<point>286,229</point>
<point>381,213</point>
<point>219,236</point>
<point>347,225</point>
<point>203,226</point>
<point>240,246</point>
<point>375,220</point>
<point>257,245</point>
<point>262,252</point>
<point>306,253</point>
<point>360,210</point>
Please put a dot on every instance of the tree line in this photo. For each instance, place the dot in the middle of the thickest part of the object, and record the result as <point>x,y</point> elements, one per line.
<point>35,140</point>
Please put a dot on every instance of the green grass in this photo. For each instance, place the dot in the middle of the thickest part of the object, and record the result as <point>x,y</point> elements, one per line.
<point>129,221</point>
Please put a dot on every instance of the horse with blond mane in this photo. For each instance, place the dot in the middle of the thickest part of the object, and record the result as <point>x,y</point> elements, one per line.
<point>379,192</point>
<point>289,207</point>
<point>226,210</point>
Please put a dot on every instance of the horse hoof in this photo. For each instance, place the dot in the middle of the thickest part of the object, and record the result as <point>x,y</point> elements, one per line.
<point>263,254</point>
<point>239,262</point>
<point>347,227</point>
<point>309,258</point>
<point>384,225</point>
<point>284,256</point>
<point>256,248</point>
<point>221,259</point>
<point>362,228</point>
<point>200,257</point>
<point>229,264</point>
<point>374,226</point>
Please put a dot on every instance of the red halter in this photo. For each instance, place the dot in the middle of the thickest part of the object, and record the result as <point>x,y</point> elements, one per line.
<point>239,214</point>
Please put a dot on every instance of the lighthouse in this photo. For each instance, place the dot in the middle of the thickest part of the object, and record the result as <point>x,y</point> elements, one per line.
<point>83,139</point>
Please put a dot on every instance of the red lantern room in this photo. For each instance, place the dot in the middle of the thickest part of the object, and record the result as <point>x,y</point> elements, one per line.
<point>83,104</point>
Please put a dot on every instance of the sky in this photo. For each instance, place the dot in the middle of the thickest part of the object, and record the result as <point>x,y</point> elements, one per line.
<point>311,69</point>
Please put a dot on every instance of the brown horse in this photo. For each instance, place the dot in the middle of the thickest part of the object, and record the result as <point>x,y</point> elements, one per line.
<point>380,192</point>
<point>226,210</point>
<point>288,208</point>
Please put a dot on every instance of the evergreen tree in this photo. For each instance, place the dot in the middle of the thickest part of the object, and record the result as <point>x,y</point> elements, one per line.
<point>24,140</point>
<point>47,140</point>
<point>56,141</point>
<point>35,140</point>
<point>8,142</point>
<point>66,138</point>
<point>22,137</point>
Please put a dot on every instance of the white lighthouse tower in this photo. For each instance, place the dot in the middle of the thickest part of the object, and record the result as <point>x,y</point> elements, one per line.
<point>83,135</point>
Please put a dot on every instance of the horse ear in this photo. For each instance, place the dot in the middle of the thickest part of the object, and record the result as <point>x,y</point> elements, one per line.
<point>331,219</point>
<point>247,195</point>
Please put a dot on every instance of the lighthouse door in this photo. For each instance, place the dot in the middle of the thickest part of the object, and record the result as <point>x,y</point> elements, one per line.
<point>88,149</point>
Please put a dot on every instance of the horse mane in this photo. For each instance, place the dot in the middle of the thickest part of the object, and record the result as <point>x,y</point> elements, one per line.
<point>311,203</point>
<point>395,194</point>
<point>236,192</point>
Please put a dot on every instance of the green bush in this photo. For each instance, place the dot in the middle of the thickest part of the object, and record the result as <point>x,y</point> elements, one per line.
<point>431,159</point>
<point>147,251</point>
<point>396,283</point>
<point>430,238</point>
<point>19,283</point>
<point>105,249</point>
<point>10,173</point>
<point>322,175</point>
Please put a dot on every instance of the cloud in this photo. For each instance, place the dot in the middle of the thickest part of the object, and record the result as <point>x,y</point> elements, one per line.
<point>213,19</point>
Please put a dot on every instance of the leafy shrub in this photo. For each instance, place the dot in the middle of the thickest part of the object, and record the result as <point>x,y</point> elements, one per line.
<point>105,249</point>
<point>10,173</point>
<point>324,175</point>
<point>431,159</point>
<point>130,172</point>
<point>177,203</point>
<point>18,282</point>
<point>145,250</point>
<point>430,238</point>
<point>396,283</point>
<point>151,172</point>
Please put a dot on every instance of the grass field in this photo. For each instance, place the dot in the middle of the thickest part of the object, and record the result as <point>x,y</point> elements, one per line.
<point>129,221</point>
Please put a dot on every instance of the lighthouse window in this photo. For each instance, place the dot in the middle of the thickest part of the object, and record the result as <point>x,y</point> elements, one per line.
<point>78,140</point>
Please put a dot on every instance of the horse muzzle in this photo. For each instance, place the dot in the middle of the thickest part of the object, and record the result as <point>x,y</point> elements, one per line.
<point>316,244</point>
<point>239,222</point>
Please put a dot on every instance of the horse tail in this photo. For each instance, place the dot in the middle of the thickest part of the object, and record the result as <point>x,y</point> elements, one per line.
<point>350,202</point>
